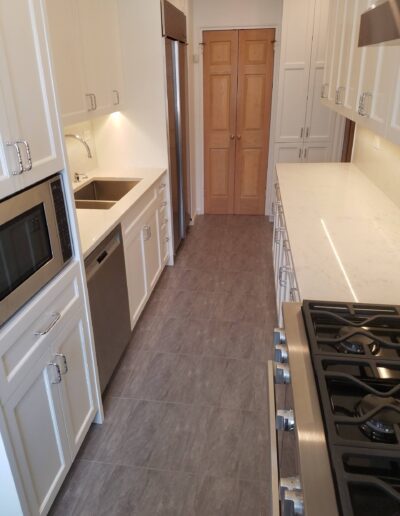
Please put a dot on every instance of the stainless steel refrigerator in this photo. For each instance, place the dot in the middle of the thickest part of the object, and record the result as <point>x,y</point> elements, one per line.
<point>175,34</point>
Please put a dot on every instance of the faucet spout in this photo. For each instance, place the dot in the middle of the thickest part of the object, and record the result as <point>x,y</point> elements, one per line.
<point>83,142</point>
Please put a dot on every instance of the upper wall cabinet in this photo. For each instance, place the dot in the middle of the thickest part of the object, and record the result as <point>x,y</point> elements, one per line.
<point>361,83</point>
<point>87,56</point>
<point>30,147</point>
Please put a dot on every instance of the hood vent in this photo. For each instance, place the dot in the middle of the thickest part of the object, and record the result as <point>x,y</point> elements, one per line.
<point>380,23</point>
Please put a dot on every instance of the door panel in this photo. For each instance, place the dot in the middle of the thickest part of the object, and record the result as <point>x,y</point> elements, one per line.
<point>220,90</point>
<point>255,73</point>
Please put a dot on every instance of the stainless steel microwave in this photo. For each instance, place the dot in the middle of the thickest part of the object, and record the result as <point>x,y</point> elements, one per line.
<point>35,243</point>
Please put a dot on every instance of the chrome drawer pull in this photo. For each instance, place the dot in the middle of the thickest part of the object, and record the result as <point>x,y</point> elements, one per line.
<point>146,233</point>
<point>163,204</point>
<point>162,186</point>
<point>116,97</point>
<point>58,378</point>
<point>64,359</point>
<point>20,162</point>
<point>56,317</point>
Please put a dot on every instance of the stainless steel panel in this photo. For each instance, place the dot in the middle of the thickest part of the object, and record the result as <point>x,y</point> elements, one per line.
<point>105,190</point>
<point>380,24</point>
<point>315,470</point>
<point>109,304</point>
<point>274,481</point>
<point>173,142</point>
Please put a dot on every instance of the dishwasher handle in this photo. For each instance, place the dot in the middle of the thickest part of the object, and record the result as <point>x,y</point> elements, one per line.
<point>101,255</point>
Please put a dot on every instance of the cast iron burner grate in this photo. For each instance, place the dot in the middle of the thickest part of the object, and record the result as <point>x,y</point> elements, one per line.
<point>355,350</point>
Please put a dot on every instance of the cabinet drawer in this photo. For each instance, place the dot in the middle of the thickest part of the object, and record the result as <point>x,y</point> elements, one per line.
<point>139,210</point>
<point>24,338</point>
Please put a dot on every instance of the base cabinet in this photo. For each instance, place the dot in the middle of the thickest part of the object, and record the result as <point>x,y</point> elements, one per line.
<point>49,399</point>
<point>35,422</point>
<point>146,235</point>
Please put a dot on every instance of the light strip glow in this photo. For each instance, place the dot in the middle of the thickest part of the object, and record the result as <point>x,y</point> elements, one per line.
<point>339,261</point>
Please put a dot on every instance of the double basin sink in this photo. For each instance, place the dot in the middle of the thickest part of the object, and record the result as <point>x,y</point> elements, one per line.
<point>102,194</point>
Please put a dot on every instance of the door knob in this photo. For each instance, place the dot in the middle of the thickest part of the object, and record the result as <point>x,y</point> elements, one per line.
<point>239,137</point>
<point>232,136</point>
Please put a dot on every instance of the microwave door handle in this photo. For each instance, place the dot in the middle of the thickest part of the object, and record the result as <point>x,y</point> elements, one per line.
<point>55,318</point>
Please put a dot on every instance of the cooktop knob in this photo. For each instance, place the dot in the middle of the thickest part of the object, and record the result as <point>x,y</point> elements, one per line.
<point>293,503</point>
<point>285,420</point>
<point>279,336</point>
<point>281,354</point>
<point>282,373</point>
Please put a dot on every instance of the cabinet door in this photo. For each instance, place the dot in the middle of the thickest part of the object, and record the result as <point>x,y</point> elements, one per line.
<point>335,19</point>
<point>393,123</point>
<point>35,423</point>
<point>151,240</point>
<point>97,19</point>
<point>71,353</point>
<point>297,29</point>
<point>67,56</point>
<point>355,55</point>
<point>288,152</point>
<point>320,120</point>
<point>317,152</point>
<point>135,270</point>
<point>27,89</point>
<point>115,73</point>
<point>349,24</point>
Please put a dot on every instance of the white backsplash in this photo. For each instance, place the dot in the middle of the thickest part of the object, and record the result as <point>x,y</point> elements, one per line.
<point>379,159</point>
<point>77,155</point>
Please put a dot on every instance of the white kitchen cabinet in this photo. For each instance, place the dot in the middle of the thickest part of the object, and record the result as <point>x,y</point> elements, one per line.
<point>35,423</point>
<point>135,270</point>
<point>70,351</point>
<point>28,122</point>
<point>85,41</point>
<point>363,81</point>
<point>152,256</point>
<point>145,231</point>
<point>68,63</point>
<point>48,391</point>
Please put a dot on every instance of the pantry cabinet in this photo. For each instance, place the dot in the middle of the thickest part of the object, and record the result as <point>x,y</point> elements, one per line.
<point>30,146</point>
<point>305,129</point>
<point>85,42</point>
<point>361,83</point>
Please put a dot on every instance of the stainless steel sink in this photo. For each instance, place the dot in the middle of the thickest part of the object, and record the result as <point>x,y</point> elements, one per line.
<point>93,205</point>
<point>104,190</point>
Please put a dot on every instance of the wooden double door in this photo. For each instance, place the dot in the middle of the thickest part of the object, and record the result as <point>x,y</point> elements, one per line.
<point>238,76</point>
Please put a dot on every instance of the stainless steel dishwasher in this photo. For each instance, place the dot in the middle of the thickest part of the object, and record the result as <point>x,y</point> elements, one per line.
<point>109,303</point>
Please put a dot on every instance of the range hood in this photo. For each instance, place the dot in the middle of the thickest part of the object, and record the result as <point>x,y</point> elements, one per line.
<point>381,23</point>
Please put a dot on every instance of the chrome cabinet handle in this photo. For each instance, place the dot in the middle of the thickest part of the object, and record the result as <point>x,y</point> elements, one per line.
<point>307,132</point>
<point>94,102</point>
<point>116,97</point>
<point>283,270</point>
<point>162,186</point>
<point>305,153</point>
<point>56,317</point>
<point>58,378</point>
<point>338,96</point>
<point>20,162</point>
<point>362,109</point>
<point>28,155</point>
<point>324,87</point>
<point>278,232</point>
<point>163,204</point>
<point>302,132</point>
<point>300,153</point>
<point>90,97</point>
<point>147,233</point>
<point>293,297</point>
<point>167,239</point>
<point>64,359</point>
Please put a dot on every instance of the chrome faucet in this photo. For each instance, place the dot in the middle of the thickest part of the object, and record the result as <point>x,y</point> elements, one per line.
<point>83,142</point>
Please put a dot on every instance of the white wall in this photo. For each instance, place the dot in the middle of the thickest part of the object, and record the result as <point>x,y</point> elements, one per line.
<point>137,136</point>
<point>224,14</point>
<point>379,159</point>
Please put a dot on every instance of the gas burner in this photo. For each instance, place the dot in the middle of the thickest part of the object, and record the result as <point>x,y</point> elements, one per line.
<point>381,427</point>
<point>355,343</point>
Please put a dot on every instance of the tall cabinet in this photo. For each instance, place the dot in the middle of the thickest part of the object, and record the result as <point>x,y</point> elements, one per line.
<point>305,129</point>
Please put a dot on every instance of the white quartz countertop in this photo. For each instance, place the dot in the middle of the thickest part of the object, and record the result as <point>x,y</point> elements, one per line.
<point>94,225</point>
<point>344,233</point>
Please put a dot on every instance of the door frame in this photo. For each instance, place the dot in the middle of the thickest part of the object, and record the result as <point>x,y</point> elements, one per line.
<point>199,122</point>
